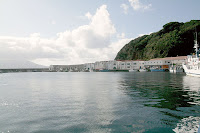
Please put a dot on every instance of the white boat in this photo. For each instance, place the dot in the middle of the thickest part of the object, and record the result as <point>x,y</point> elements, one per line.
<point>142,70</point>
<point>192,64</point>
<point>133,70</point>
<point>91,70</point>
<point>171,69</point>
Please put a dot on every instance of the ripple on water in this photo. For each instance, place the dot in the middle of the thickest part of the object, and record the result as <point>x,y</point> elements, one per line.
<point>98,102</point>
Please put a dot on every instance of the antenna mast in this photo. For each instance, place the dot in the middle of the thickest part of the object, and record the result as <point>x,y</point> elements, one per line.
<point>196,45</point>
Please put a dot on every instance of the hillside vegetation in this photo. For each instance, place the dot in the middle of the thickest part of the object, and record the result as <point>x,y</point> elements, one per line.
<point>174,39</point>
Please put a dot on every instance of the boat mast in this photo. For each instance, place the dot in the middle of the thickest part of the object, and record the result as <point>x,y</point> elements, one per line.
<point>196,46</point>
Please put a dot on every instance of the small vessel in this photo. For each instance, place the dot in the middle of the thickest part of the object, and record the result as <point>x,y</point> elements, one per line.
<point>192,64</point>
<point>157,69</point>
<point>91,70</point>
<point>142,70</point>
<point>133,70</point>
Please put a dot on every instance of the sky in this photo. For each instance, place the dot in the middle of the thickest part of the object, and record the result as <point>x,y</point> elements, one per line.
<point>68,32</point>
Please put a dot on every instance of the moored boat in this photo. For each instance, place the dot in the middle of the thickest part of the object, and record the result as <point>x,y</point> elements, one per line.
<point>133,70</point>
<point>157,69</point>
<point>142,70</point>
<point>192,64</point>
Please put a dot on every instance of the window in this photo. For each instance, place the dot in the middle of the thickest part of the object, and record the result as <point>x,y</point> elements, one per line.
<point>128,66</point>
<point>128,63</point>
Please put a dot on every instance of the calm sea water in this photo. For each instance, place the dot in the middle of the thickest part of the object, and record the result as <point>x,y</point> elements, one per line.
<point>99,102</point>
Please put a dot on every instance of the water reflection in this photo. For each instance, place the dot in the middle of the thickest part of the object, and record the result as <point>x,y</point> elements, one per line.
<point>96,102</point>
<point>192,86</point>
<point>80,105</point>
<point>174,96</point>
<point>190,124</point>
<point>161,90</point>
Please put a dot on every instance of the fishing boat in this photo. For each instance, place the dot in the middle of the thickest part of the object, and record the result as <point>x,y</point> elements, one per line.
<point>192,64</point>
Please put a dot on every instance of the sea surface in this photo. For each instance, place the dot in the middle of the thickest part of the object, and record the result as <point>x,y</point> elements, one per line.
<point>99,102</point>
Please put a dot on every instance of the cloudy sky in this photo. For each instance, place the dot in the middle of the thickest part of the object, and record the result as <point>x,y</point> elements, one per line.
<point>79,31</point>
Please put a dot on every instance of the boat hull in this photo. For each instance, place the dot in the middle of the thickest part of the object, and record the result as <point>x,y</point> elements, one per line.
<point>142,70</point>
<point>133,70</point>
<point>195,73</point>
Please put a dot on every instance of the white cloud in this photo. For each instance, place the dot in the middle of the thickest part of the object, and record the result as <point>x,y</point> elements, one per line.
<point>88,15</point>
<point>49,50</point>
<point>116,46</point>
<point>87,43</point>
<point>121,36</point>
<point>125,8</point>
<point>137,5</point>
<point>101,23</point>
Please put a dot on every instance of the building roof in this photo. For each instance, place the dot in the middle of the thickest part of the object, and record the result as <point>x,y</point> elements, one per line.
<point>129,60</point>
<point>170,58</point>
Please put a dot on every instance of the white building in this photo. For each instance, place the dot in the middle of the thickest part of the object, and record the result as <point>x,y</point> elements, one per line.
<point>89,67</point>
<point>119,65</point>
<point>131,65</point>
<point>113,65</point>
<point>163,64</point>
<point>66,68</point>
<point>99,65</point>
<point>176,64</point>
<point>178,60</point>
<point>158,64</point>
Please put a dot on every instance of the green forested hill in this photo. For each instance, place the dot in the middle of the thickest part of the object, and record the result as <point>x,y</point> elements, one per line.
<point>174,39</point>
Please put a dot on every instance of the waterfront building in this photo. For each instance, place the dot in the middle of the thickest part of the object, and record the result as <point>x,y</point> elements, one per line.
<point>100,65</point>
<point>113,65</point>
<point>67,68</point>
<point>176,64</point>
<point>124,65</point>
<point>178,60</point>
<point>57,68</point>
<point>163,64</point>
<point>89,67</point>
<point>158,64</point>
<point>131,65</point>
